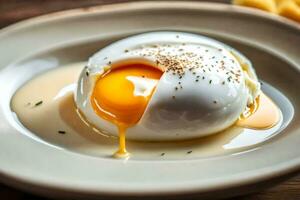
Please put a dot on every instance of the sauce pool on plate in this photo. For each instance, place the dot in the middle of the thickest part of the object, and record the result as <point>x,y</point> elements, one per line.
<point>58,114</point>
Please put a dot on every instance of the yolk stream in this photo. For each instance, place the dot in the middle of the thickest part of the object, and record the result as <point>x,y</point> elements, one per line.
<point>115,99</point>
<point>263,114</point>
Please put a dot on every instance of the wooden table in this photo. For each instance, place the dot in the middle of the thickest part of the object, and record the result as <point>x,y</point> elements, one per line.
<point>15,10</point>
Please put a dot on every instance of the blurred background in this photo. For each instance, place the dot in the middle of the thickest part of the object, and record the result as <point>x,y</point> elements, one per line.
<point>15,10</point>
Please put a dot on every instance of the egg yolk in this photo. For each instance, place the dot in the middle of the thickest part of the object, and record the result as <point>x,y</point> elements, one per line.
<point>121,95</point>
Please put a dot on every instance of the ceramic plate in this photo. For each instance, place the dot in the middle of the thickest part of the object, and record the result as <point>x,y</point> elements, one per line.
<point>42,165</point>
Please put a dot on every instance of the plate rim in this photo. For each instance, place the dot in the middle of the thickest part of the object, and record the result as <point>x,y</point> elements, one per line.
<point>133,5</point>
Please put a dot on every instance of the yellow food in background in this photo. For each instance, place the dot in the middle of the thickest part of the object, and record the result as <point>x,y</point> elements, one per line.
<point>267,5</point>
<point>290,9</point>
<point>286,8</point>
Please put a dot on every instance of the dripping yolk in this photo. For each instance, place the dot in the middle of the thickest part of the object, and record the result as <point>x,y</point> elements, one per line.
<point>122,94</point>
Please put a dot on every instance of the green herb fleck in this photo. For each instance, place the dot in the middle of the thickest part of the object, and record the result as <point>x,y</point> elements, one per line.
<point>38,103</point>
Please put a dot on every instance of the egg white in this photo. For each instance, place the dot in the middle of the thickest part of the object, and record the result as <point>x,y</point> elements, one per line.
<point>194,108</point>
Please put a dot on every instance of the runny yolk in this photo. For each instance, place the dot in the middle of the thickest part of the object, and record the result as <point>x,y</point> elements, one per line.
<point>263,114</point>
<point>121,95</point>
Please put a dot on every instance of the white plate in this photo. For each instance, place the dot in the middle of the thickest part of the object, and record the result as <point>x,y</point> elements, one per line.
<point>271,42</point>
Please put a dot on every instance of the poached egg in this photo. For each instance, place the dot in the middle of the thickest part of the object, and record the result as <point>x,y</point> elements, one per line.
<point>162,86</point>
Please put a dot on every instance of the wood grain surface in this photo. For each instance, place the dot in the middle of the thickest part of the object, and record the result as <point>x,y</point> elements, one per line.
<point>12,11</point>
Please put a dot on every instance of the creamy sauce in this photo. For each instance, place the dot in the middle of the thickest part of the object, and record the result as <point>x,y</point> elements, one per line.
<point>264,114</point>
<point>57,121</point>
